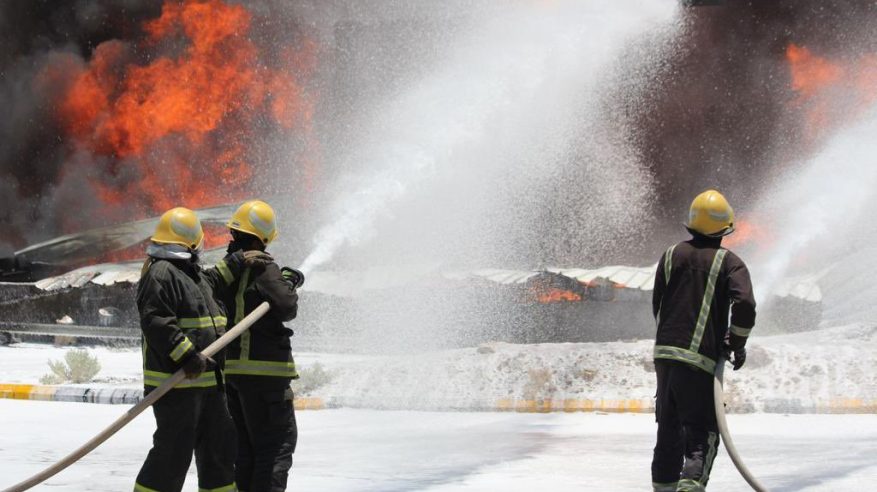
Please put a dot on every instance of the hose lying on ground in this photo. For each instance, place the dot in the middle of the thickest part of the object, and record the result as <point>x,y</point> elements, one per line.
<point>137,409</point>
<point>726,436</point>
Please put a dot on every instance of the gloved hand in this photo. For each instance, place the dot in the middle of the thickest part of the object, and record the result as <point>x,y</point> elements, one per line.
<point>739,358</point>
<point>293,276</point>
<point>256,258</point>
<point>196,364</point>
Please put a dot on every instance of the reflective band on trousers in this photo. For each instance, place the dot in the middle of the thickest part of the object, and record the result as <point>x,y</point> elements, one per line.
<point>707,302</point>
<point>261,368</point>
<point>181,349</point>
<point>713,443</point>
<point>228,488</point>
<point>685,355</point>
<point>202,322</point>
<point>689,485</point>
<point>155,378</point>
<point>141,488</point>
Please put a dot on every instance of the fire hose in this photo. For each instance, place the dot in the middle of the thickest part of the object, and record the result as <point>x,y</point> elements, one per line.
<point>726,435</point>
<point>137,409</point>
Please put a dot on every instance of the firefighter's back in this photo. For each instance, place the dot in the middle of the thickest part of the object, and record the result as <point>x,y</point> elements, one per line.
<point>692,301</point>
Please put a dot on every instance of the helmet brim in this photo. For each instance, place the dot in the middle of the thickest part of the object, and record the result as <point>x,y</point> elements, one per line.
<point>264,240</point>
<point>727,231</point>
<point>198,247</point>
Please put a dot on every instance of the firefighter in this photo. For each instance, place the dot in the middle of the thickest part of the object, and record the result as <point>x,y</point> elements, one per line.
<point>260,366</point>
<point>698,283</point>
<point>179,317</point>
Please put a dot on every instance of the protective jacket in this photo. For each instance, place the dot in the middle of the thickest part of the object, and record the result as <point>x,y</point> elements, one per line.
<point>264,350</point>
<point>179,315</point>
<point>696,285</point>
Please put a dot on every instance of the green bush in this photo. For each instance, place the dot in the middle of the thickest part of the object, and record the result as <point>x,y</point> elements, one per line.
<point>78,366</point>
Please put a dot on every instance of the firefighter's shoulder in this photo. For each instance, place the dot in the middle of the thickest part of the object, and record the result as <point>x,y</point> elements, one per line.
<point>733,261</point>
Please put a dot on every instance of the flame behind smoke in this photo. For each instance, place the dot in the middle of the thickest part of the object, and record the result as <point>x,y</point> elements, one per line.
<point>179,129</point>
<point>752,235</point>
<point>831,92</point>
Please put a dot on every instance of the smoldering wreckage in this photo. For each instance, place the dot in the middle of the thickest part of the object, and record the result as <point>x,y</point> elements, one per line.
<point>41,300</point>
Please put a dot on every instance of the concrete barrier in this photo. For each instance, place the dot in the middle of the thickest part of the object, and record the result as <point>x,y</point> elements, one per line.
<point>105,395</point>
<point>130,396</point>
<point>575,405</point>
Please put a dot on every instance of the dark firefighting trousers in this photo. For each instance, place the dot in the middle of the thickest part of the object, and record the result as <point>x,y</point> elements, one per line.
<point>264,417</point>
<point>688,436</point>
<point>192,419</point>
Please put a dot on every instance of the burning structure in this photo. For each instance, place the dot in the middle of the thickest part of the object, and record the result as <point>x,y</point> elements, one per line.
<point>553,305</point>
<point>136,107</point>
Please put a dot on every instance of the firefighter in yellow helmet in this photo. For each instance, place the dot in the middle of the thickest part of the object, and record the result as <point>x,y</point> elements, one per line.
<point>179,226</point>
<point>179,317</point>
<point>698,284</point>
<point>710,215</point>
<point>259,366</point>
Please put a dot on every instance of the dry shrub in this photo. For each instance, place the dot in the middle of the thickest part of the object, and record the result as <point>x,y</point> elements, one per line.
<point>78,366</point>
<point>311,378</point>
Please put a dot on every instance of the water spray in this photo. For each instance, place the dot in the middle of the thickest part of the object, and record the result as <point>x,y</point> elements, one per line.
<point>835,187</point>
<point>500,129</point>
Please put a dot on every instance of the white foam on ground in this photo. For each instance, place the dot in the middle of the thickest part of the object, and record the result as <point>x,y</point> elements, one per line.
<point>25,363</point>
<point>364,450</point>
<point>784,373</point>
<point>787,373</point>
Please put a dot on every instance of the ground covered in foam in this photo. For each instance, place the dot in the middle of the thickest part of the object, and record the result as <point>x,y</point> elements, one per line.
<point>810,371</point>
<point>367,450</point>
<point>802,372</point>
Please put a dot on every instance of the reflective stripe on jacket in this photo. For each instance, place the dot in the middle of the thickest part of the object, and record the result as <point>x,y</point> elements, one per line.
<point>179,314</point>
<point>697,285</point>
<point>265,349</point>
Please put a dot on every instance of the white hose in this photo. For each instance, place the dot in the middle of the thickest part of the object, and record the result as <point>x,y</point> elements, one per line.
<point>726,435</point>
<point>137,409</point>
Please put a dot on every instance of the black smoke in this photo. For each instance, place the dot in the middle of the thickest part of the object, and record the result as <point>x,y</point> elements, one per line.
<point>33,35</point>
<point>45,189</point>
<point>714,111</point>
<point>718,110</point>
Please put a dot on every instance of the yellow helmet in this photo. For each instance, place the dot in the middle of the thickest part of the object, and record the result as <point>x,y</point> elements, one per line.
<point>257,218</point>
<point>179,226</point>
<point>711,215</point>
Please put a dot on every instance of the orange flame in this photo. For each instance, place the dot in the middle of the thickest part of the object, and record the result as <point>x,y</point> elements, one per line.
<point>558,295</point>
<point>831,91</point>
<point>179,129</point>
<point>748,234</point>
<point>811,74</point>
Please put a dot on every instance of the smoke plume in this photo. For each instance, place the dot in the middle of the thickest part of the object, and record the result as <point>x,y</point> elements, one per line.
<point>724,108</point>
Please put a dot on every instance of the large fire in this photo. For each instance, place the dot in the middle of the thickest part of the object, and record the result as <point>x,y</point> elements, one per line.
<point>831,91</point>
<point>177,113</point>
